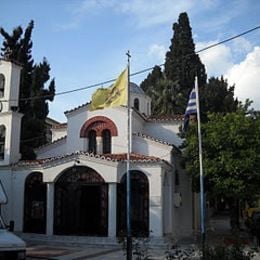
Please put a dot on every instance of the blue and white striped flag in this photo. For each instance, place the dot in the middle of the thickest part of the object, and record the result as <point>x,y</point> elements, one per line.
<point>192,105</point>
<point>191,109</point>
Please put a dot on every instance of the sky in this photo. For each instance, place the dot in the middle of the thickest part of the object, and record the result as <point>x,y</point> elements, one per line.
<point>85,41</point>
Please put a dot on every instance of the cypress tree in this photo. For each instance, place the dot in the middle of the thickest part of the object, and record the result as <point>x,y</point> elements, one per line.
<point>182,63</point>
<point>18,47</point>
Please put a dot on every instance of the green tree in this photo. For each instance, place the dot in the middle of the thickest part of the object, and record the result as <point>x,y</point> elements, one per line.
<point>152,79</point>
<point>181,66</point>
<point>182,63</point>
<point>18,47</point>
<point>217,97</point>
<point>231,156</point>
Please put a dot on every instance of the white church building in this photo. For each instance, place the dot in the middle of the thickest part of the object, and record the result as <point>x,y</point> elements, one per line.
<point>76,188</point>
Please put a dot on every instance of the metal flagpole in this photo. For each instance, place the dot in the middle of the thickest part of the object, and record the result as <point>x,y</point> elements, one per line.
<point>202,212</point>
<point>128,177</point>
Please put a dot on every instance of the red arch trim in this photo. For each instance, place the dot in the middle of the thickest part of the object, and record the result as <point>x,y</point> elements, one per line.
<point>98,123</point>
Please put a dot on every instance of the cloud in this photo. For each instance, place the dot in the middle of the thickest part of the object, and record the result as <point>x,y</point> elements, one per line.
<point>92,6</point>
<point>246,77</point>
<point>241,46</point>
<point>143,13</point>
<point>217,60</point>
<point>78,10</point>
<point>244,73</point>
<point>157,53</point>
<point>148,13</point>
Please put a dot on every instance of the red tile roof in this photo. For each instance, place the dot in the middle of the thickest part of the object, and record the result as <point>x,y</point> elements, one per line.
<point>76,108</point>
<point>60,126</point>
<point>149,137</point>
<point>108,157</point>
<point>165,118</point>
<point>54,142</point>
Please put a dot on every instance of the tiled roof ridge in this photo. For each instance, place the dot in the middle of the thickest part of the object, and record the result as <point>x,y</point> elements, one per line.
<point>166,118</point>
<point>134,157</point>
<point>152,138</point>
<point>49,144</point>
<point>76,108</point>
<point>62,125</point>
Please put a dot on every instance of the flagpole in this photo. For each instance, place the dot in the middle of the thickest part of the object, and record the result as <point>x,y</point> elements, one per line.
<point>128,177</point>
<point>202,204</point>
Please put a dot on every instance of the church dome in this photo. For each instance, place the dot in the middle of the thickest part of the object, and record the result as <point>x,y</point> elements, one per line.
<point>134,88</point>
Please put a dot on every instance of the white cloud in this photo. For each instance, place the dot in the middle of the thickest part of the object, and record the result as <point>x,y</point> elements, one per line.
<point>217,59</point>
<point>157,53</point>
<point>246,77</point>
<point>92,5</point>
<point>77,11</point>
<point>241,46</point>
<point>147,13</point>
<point>143,13</point>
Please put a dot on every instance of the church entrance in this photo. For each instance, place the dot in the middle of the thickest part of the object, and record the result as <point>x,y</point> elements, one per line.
<point>81,203</point>
<point>139,204</point>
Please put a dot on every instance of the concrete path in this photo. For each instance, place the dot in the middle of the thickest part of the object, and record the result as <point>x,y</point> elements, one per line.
<point>218,231</point>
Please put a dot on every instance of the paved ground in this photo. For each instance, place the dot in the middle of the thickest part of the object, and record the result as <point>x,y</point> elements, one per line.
<point>79,253</point>
<point>218,231</point>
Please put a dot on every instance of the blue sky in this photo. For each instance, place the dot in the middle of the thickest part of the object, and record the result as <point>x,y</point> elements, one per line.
<point>85,41</point>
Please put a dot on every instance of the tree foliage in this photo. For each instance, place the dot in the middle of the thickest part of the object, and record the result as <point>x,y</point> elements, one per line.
<point>181,66</point>
<point>182,63</point>
<point>170,88</point>
<point>231,154</point>
<point>17,46</point>
<point>217,97</point>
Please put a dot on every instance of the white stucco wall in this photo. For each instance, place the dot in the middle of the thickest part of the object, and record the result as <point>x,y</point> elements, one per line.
<point>137,123</point>
<point>164,131</point>
<point>57,133</point>
<point>144,103</point>
<point>11,120</point>
<point>151,148</point>
<point>106,169</point>
<point>57,149</point>
<point>167,201</point>
<point>182,216</point>
<point>5,177</point>
<point>76,120</point>
<point>11,73</point>
<point>13,181</point>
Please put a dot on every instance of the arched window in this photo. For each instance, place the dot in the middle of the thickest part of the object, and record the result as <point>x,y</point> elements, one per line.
<point>139,204</point>
<point>106,138</point>
<point>92,141</point>
<point>136,104</point>
<point>2,85</point>
<point>2,142</point>
<point>35,204</point>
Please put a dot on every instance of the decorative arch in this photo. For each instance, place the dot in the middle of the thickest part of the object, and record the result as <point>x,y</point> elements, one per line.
<point>81,203</point>
<point>139,204</point>
<point>35,204</point>
<point>2,141</point>
<point>98,124</point>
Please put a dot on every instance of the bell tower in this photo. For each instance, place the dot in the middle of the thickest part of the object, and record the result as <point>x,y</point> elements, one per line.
<point>10,118</point>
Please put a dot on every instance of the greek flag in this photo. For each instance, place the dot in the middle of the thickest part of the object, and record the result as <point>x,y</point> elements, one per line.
<point>190,110</point>
<point>192,106</point>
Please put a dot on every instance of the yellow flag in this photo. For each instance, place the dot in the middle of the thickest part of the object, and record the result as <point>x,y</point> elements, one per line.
<point>114,96</point>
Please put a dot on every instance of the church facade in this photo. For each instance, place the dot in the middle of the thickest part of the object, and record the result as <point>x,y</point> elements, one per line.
<point>76,188</point>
